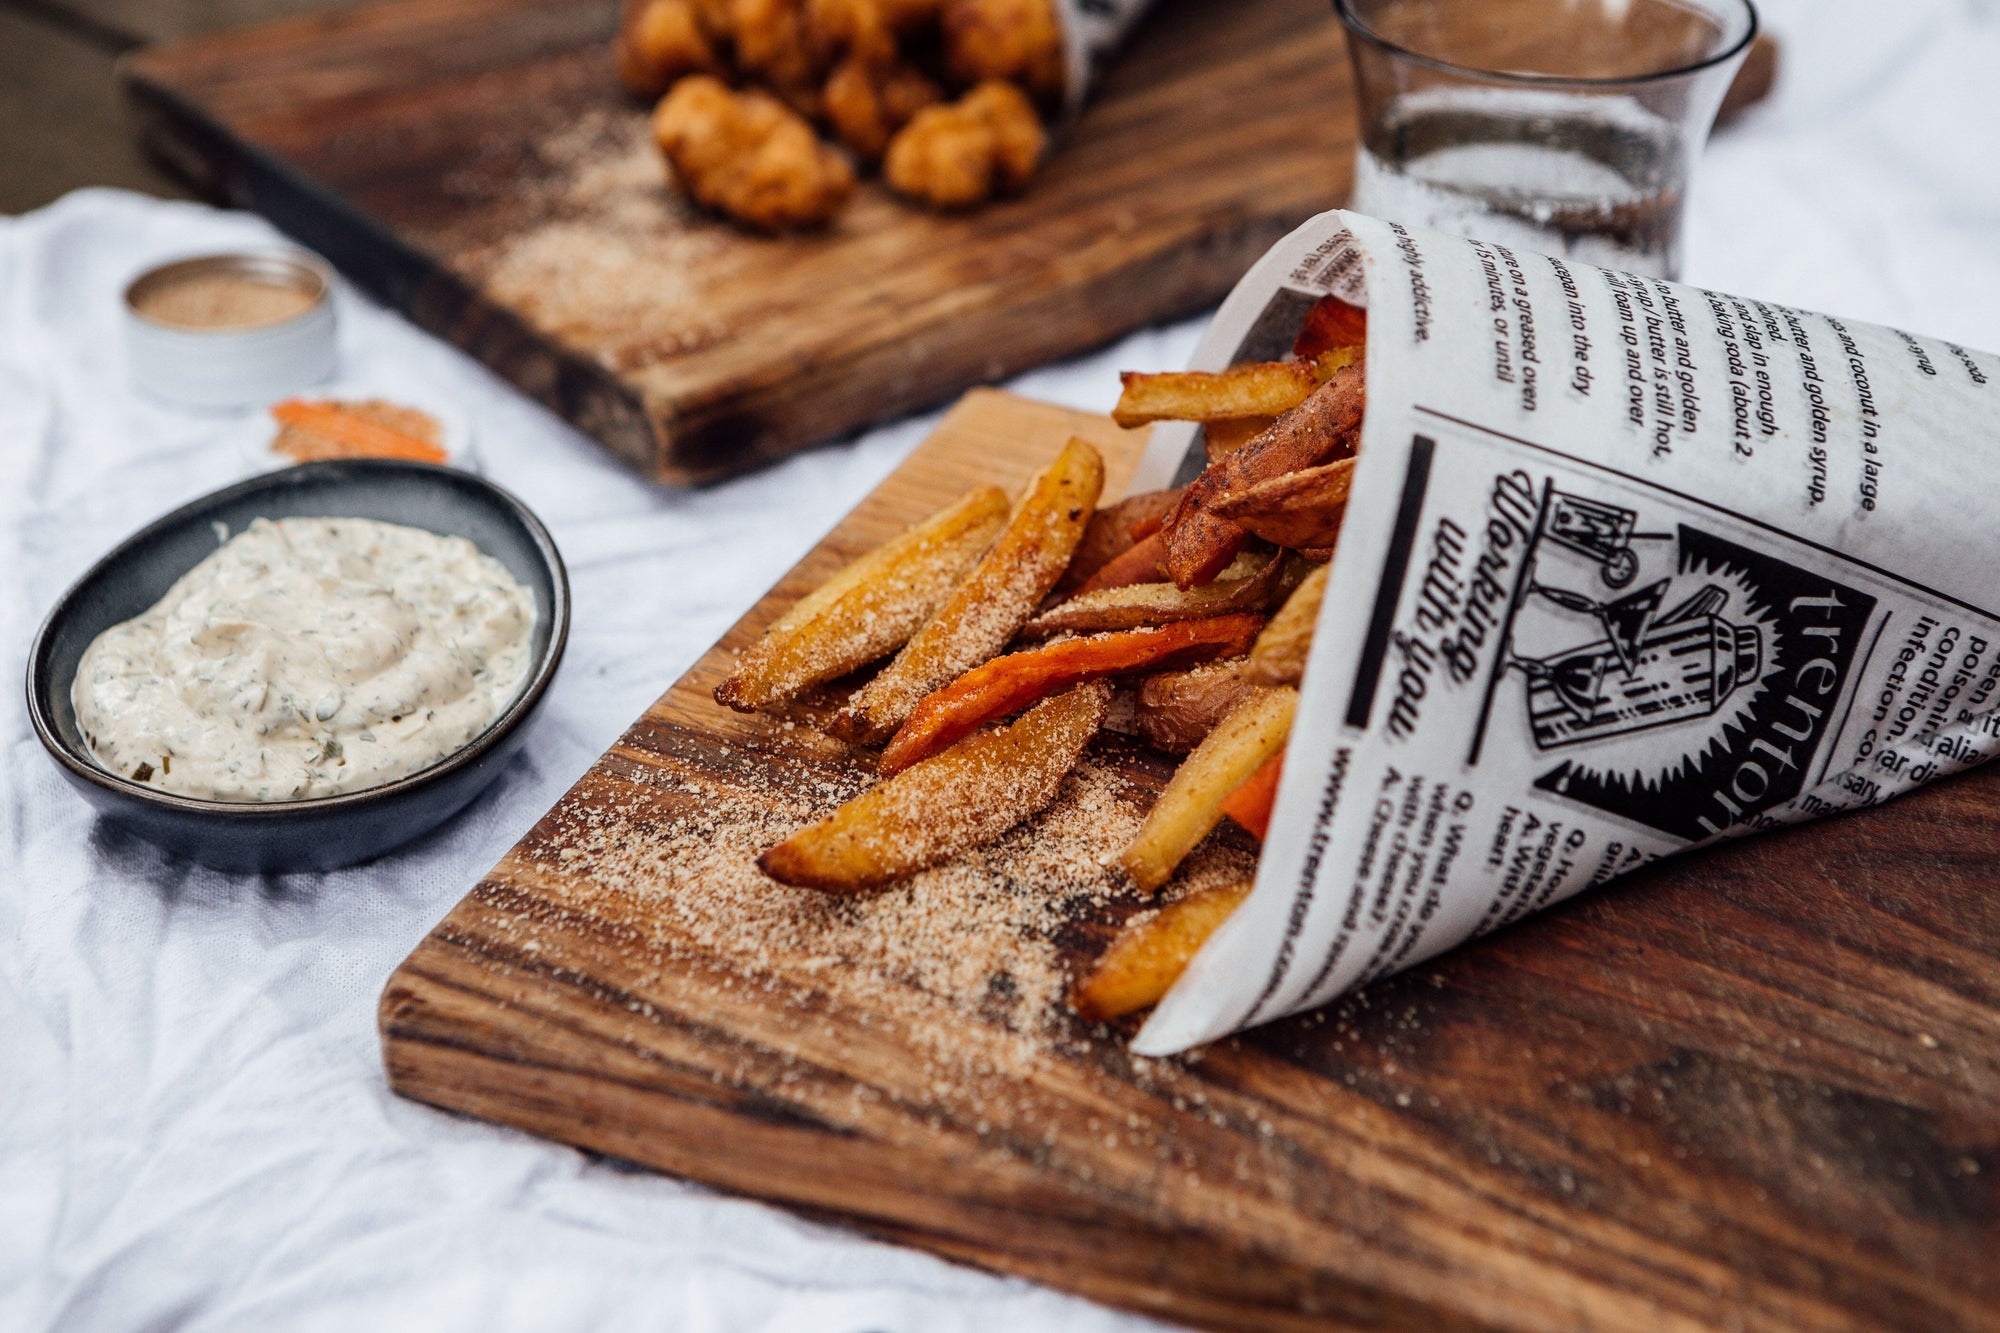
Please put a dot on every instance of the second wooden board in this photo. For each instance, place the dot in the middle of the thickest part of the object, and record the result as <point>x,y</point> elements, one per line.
<point>1752,1088</point>
<point>477,165</point>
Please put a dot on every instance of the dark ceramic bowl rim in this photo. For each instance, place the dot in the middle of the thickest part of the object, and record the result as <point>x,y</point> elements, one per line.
<point>1533,79</point>
<point>83,766</point>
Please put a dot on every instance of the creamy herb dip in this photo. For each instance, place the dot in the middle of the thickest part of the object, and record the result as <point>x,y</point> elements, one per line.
<point>308,656</point>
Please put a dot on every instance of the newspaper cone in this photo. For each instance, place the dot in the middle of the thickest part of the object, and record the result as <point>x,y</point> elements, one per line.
<point>1628,566</point>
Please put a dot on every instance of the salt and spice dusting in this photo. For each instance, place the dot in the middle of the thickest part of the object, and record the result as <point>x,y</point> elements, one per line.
<point>967,956</point>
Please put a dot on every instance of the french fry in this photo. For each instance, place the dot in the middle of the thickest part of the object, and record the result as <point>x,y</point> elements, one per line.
<point>1302,510</point>
<point>956,801</point>
<point>1112,531</point>
<point>1140,564</point>
<point>1332,327</point>
<point>871,607</point>
<point>1250,804</point>
<point>993,602</point>
<point>1007,684</point>
<point>1223,438</point>
<point>1191,805</point>
<point>1141,604</point>
<point>1175,710</point>
<point>1323,429</point>
<point>1255,389</point>
<point>1280,655</point>
<point>1152,951</point>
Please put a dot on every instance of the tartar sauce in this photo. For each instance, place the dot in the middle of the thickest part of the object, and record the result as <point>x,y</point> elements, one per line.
<point>308,656</point>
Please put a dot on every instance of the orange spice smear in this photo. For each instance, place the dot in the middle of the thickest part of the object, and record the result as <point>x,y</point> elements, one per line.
<point>314,430</point>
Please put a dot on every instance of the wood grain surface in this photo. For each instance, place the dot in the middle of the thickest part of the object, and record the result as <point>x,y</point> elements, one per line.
<point>1753,1088</point>
<point>474,163</point>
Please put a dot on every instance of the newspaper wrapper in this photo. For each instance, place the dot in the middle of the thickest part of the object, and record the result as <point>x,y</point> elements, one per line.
<point>1628,567</point>
<point>1092,30</point>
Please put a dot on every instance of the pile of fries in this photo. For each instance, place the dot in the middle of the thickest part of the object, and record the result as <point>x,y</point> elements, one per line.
<point>1009,631</point>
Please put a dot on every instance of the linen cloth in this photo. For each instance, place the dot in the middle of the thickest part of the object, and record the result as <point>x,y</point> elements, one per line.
<point>195,1131</point>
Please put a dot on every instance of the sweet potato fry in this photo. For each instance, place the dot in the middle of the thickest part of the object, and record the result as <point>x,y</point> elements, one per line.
<point>1302,510</point>
<point>1322,429</point>
<point>1140,604</point>
<point>1223,438</point>
<point>1007,684</point>
<point>1139,564</point>
<point>1192,803</point>
<point>1152,951</point>
<point>1254,389</point>
<point>954,802</point>
<point>993,602</point>
<point>1112,531</point>
<point>1250,804</point>
<point>1175,710</point>
<point>1280,655</point>
<point>1332,327</point>
<point>869,608</point>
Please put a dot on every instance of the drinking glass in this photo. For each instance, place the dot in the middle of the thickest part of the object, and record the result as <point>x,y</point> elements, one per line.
<point>1569,127</point>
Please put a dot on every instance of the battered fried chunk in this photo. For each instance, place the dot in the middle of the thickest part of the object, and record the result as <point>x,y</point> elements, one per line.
<point>659,41</point>
<point>866,102</point>
<point>771,44</point>
<point>1016,40</point>
<point>988,142</point>
<point>747,155</point>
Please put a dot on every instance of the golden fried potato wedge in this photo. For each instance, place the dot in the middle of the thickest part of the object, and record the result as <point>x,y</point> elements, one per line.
<point>1254,389</point>
<point>950,803</point>
<point>1252,584</point>
<point>869,608</point>
<point>1302,510</point>
<point>993,602</point>
<point>1152,951</point>
<point>1176,710</point>
<point>1280,655</point>
<point>1191,805</point>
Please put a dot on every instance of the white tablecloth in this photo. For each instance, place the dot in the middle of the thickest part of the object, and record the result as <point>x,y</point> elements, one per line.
<point>194,1128</point>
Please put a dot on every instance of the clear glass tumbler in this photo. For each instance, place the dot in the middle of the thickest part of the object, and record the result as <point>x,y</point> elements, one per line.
<point>1569,127</point>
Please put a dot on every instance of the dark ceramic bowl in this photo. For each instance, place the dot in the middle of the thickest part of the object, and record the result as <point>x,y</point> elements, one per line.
<point>326,831</point>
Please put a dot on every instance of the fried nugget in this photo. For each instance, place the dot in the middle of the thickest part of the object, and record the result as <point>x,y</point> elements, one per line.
<point>988,142</point>
<point>748,155</point>
<point>866,103</point>
<point>771,46</point>
<point>1020,41</point>
<point>838,30</point>
<point>661,40</point>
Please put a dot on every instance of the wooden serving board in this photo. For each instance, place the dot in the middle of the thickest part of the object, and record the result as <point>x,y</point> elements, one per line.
<point>475,164</point>
<point>1752,1088</point>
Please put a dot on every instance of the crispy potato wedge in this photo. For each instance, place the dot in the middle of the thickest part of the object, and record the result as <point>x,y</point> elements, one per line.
<point>1332,328</point>
<point>1137,605</point>
<point>1254,389</point>
<point>1175,710</point>
<point>1302,510</point>
<point>1152,951</point>
<point>1323,429</point>
<point>1140,564</point>
<point>1223,438</point>
<point>1280,655</point>
<point>1008,684</point>
<point>1191,805</point>
<point>1250,804</point>
<point>871,607</point>
<point>955,801</point>
<point>1112,531</point>
<point>993,602</point>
